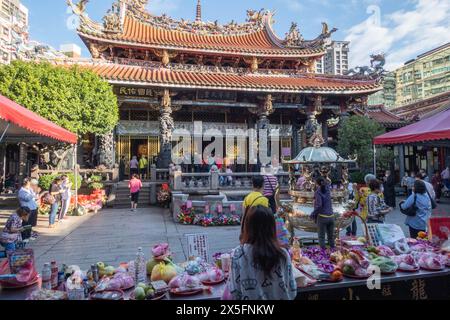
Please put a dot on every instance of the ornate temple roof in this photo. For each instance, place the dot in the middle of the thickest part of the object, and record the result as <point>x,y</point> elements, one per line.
<point>128,23</point>
<point>383,116</point>
<point>172,78</point>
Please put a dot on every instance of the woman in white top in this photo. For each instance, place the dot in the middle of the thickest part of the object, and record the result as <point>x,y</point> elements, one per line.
<point>65,197</point>
<point>261,269</point>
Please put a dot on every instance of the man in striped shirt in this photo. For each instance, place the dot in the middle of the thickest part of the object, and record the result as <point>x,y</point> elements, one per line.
<point>270,187</point>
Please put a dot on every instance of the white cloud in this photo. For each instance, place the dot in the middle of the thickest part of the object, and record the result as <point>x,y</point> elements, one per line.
<point>403,34</point>
<point>294,5</point>
<point>164,6</point>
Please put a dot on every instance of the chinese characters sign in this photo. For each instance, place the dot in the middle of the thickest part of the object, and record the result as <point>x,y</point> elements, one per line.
<point>198,246</point>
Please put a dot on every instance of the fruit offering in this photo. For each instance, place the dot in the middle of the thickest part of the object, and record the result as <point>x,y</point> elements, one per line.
<point>386,265</point>
<point>163,272</point>
<point>406,262</point>
<point>144,292</point>
<point>431,261</point>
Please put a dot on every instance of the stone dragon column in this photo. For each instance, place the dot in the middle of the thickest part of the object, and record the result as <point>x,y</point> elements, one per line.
<point>166,127</point>
<point>106,149</point>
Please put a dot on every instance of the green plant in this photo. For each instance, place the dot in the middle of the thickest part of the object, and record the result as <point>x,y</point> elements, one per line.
<point>74,98</point>
<point>96,186</point>
<point>95,178</point>
<point>355,137</point>
<point>45,181</point>
<point>357,177</point>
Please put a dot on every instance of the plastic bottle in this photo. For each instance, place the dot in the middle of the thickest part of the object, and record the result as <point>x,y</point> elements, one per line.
<point>54,276</point>
<point>140,266</point>
<point>47,277</point>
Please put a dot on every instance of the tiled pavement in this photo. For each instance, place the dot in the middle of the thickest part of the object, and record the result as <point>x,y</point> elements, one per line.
<point>113,236</point>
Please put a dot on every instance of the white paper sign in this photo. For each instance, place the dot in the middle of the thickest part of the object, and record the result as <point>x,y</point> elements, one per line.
<point>198,246</point>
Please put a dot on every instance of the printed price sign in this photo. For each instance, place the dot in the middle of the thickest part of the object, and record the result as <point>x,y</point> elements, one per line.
<point>198,246</point>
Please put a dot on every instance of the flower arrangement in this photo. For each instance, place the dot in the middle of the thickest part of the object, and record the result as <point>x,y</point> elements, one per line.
<point>163,195</point>
<point>228,220</point>
<point>187,215</point>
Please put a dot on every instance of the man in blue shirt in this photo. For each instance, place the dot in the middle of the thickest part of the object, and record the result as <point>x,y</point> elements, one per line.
<point>27,198</point>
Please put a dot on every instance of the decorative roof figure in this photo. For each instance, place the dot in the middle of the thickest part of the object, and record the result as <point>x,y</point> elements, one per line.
<point>294,37</point>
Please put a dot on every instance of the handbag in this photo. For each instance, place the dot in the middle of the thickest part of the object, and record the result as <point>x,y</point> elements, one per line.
<point>433,202</point>
<point>49,199</point>
<point>411,211</point>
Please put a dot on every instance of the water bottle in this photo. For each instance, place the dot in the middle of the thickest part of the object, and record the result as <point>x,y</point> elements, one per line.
<point>140,266</point>
<point>54,269</point>
<point>47,277</point>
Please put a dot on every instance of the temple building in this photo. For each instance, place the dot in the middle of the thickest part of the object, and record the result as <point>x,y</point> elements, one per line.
<point>169,73</point>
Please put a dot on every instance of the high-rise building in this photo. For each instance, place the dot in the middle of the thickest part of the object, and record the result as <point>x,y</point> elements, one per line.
<point>70,50</point>
<point>424,77</point>
<point>335,61</point>
<point>13,28</point>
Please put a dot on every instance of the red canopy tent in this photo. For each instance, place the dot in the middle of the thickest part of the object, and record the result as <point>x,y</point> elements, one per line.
<point>19,122</point>
<point>434,128</point>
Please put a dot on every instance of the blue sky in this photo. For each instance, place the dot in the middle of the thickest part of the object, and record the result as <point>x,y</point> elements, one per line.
<point>401,28</point>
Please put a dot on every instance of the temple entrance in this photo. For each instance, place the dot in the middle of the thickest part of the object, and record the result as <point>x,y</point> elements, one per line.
<point>129,146</point>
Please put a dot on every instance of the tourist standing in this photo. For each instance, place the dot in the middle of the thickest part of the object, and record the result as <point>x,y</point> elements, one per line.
<point>352,230</point>
<point>436,181</point>
<point>389,189</point>
<point>271,187</point>
<point>362,195</point>
<point>428,185</point>
<point>66,196</point>
<point>56,192</point>
<point>445,175</point>
<point>27,199</point>
<point>410,183</point>
<point>261,268</point>
<point>323,213</point>
<point>122,166</point>
<point>422,202</point>
<point>229,173</point>
<point>134,165</point>
<point>404,183</point>
<point>425,176</point>
<point>143,167</point>
<point>376,207</point>
<point>12,232</point>
<point>135,186</point>
<point>256,197</point>
<point>34,172</point>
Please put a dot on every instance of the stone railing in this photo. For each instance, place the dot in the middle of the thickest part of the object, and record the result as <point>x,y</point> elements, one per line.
<point>217,181</point>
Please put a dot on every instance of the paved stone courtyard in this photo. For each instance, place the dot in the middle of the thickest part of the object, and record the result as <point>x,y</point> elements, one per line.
<point>113,236</point>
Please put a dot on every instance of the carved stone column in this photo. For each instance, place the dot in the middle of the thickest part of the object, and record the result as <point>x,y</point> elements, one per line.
<point>23,153</point>
<point>106,150</point>
<point>325,131</point>
<point>166,126</point>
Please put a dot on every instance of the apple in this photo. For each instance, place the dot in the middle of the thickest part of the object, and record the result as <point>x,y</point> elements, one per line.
<point>139,293</point>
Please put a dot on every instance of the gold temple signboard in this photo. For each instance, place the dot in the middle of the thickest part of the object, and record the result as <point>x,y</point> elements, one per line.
<point>135,92</point>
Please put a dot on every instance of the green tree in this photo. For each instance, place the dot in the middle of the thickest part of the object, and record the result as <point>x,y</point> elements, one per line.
<point>355,138</point>
<point>72,97</point>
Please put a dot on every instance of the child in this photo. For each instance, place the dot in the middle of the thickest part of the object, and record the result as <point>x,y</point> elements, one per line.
<point>12,233</point>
